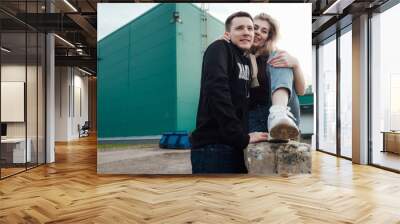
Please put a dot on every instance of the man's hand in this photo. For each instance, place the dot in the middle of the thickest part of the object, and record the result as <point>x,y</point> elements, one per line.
<point>283,60</point>
<point>258,137</point>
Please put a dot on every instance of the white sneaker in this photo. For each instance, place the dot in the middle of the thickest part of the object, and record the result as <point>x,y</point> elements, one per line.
<point>281,123</point>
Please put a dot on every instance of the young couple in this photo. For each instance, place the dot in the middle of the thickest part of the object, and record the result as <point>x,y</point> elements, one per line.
<point>247,89</point>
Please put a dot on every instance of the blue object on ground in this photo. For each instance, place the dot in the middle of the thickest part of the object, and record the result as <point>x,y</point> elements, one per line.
<point>175,140</point>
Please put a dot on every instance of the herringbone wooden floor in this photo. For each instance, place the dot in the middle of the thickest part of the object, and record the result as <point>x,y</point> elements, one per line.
<point>70,191</point>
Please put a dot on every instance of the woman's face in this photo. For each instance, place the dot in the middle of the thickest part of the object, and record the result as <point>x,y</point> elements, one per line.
<point>261,32</point>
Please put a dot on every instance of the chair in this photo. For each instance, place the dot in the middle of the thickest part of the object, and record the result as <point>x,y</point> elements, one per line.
<point>84,130</point>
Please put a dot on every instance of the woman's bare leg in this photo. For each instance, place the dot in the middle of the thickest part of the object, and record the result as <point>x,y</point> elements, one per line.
<point>280,97</point>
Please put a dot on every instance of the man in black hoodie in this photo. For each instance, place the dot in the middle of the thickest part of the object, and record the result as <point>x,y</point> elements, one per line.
<point>221,131</point>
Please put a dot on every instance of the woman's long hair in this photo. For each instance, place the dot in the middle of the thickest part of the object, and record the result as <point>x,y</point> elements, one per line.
<point>270,44</point>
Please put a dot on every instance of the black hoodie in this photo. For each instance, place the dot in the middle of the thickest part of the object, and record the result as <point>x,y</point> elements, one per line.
<point>224,93</point>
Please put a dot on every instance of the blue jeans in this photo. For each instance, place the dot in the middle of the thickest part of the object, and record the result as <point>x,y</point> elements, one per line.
<point>217,158</point>
<point>283,78</point>
<point>279,78</point>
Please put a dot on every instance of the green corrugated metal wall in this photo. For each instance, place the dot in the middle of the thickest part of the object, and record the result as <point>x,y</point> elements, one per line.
<point>194,34</point>
<point>149,72</point>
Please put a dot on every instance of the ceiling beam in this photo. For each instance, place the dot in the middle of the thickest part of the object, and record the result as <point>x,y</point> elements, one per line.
<point>86,26</point>
<point>337,6</point>
<point>84,61</point>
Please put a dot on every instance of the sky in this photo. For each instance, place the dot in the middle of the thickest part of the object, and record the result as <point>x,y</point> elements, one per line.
<point>294,22</point>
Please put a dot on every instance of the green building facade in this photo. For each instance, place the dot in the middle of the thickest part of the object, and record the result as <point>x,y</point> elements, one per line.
<point>149,71</point>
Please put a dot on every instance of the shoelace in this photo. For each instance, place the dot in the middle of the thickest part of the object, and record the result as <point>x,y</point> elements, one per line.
<point>290,114</point>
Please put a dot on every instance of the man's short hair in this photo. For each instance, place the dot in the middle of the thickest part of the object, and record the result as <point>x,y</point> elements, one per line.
<point>228,22</point>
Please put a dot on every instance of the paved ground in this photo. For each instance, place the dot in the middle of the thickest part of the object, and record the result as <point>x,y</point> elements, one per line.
<point>139,160</point>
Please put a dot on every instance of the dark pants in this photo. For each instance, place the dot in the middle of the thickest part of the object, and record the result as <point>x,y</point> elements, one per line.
<point>258,118</point>
<point>217,158</point>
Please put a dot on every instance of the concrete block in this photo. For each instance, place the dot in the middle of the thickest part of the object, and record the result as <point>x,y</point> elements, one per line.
<point>283,159</point>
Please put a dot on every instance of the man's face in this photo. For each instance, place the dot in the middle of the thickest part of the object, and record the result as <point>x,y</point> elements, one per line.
<point>261,33</point>
<point>242,32</point>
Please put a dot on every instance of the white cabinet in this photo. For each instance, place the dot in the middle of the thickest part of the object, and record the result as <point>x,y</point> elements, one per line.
<point>16,147</point>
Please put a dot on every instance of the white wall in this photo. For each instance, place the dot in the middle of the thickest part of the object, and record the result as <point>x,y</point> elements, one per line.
<point>11,73</point>
<point>70,84</point>
<point>62,82</point>
<point>33,126</point>
<point>16,72</point>
<point>79,117</point>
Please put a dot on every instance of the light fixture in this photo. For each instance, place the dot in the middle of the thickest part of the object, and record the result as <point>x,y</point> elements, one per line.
<point>79,44</point>
<point>64,40</point>
<point>5,50</point>
<point>70,5</point>
<point>338,6</point>
<point>84,71</point>
<point>80,51</point>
